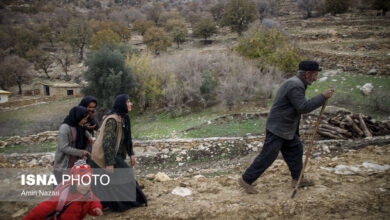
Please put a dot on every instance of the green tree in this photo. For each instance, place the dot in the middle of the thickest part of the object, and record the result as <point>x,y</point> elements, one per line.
<point>14,71</point>
<point>41,59</point>
<point>269,48</point>
<point>238,14</point>
<point>337,6</point>
<point>104,37</point>
<point>118,27</point>
<point>178,29</point>
<point>205,28</point>
<point>157,40</point>
<point>179,35</point>
<point>78,35</point>
<point>108,75</point>
<point>141,26</point>
<point>173,23</point>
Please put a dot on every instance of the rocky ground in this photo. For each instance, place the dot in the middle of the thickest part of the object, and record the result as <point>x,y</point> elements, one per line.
<point>363,194</point>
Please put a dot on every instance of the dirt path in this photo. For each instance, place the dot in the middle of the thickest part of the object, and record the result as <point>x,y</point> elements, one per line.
<point>364,195</point>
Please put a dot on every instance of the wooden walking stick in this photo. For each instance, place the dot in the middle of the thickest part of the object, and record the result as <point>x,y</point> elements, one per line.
<point>310,146</point>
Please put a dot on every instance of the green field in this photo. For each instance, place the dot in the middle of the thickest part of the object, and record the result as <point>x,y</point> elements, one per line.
<point>348,96</point>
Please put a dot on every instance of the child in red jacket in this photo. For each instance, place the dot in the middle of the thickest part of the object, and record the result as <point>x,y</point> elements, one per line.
<point>71,201</point>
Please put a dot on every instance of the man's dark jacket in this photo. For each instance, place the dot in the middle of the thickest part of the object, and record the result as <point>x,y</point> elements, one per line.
<point>289,104</point>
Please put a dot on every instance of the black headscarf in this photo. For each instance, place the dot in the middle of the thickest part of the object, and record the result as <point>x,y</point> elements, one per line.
<point>86,100</point>
<point>120,108</point>
<point>85,103</point>
<point>76,114</point>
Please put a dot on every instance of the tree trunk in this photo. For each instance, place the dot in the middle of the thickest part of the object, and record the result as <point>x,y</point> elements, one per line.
<point>81,53</point>
<point>20,88</point>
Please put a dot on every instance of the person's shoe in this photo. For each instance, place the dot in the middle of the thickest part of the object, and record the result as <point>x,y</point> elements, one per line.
<point>247,187</point>
<point>304,182</point>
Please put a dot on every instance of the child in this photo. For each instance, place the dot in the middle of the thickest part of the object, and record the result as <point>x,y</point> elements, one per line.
<point>72,200</point>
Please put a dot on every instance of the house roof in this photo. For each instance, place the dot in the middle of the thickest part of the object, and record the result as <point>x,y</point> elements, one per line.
<point>61,84</point>
<point>4,92</point>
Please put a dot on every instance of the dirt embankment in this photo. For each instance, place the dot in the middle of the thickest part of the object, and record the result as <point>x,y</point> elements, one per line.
<point>363,195</point>
<point>360,195</point>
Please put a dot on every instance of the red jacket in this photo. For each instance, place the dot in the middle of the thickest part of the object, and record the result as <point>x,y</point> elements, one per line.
<point>77,210</point>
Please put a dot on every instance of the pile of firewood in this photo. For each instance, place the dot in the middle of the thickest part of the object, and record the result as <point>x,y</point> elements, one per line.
<point>346,125</point>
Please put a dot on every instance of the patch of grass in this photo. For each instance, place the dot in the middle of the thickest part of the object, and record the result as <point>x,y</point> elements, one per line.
<point>35,119</point>
<point>159,126</point>
<point>232,129</point>
<point>30,148</point>
<point>348,96</point>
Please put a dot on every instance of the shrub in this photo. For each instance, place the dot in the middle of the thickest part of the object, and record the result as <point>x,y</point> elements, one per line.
<point>269,47</point>
<point>148,89</point>
<point>337,6</point>
<point>191,79</point>
<point>208,85</point>
<point>108,75</point>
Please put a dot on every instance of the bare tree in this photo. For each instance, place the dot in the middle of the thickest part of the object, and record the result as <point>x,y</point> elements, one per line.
<point>41,60</point>
<point>309,6</point>
<point>14,71</point>
<point>65,59</point>
<point>266,8</point>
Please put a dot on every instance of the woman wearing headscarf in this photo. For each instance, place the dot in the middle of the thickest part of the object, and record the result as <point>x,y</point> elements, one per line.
<point>72,140</point>
<point>90,103</point>
<point>109,152</point>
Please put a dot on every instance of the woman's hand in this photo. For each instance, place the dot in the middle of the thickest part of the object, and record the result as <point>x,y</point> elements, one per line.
<point>90,140</point>
<point>133,162</point>
<point>85,153</point>
<point>110,169</point>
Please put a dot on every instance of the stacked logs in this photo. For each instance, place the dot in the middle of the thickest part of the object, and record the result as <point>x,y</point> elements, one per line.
<point>346,125</point>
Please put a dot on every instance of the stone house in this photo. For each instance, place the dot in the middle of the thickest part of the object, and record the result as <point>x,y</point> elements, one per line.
<point>59,88</point>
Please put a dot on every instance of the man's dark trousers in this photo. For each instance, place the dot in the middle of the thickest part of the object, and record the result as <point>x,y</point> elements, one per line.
<point>292,151</point>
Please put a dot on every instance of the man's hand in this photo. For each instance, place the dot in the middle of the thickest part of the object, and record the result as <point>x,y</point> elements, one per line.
<point>90,140</point>
<point>110,169</point>
<point>98,211</point>
<point>132,157</point>
<point>328,93</point>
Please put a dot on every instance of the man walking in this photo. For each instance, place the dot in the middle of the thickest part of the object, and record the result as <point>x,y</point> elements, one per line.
<point>283,124</point>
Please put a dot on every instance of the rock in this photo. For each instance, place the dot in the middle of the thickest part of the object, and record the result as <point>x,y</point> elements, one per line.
<point>162,177</point>
<point>20,213</point>
<point>326,148</point>
<point>367,89</point>
<point>151,149</point>
<point>199,177</point>
<point>150,176</point>
<point>33,162</point>
<point>47,158</point>
<point>323,79</point>
<point>372,72</point>
<point>181,191</point>
<point>42,139</point>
